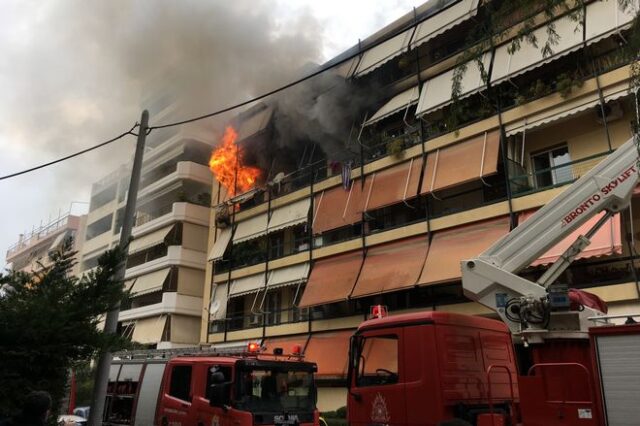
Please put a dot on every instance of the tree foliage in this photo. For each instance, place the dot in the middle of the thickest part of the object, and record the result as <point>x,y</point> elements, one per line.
<point>49,323</point>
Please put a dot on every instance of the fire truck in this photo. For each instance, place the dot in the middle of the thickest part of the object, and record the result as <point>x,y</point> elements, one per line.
<point>201,387</point>
<point>554,359</point>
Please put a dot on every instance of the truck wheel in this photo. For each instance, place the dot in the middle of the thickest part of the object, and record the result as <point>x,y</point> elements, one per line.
<point>455,422</point>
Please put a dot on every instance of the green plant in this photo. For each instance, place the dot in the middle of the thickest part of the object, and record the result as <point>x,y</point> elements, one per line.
<point>565,83</point>
<point>395,147</point>
<point>49,324</point>
<point>539,88</point>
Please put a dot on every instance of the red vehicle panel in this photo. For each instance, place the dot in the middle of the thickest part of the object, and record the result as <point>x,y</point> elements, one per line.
<point>438,369</point>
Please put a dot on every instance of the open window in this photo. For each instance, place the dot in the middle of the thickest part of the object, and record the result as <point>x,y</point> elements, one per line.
<point>551,167</point>
<point>180,384</point>
<point>377,363</point>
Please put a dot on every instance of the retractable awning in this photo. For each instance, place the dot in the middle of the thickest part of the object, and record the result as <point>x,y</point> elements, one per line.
<point>398,103</point>
<point>251,228</point>
<point>376,56</point>
<point>148,283</point>
<point>450,246</point>
<point>394,184</point>
<point>290,215</point>
<point>332,279</point>
<point>460,163</point>
<point>218,305</point>
<point>528,57</point>
<point>149,330</point>
<point>247,285</point>
<point>221,244</point>
<point>438,92</point>
<point>605,17</point>
<point>606,241</point>
<point>149,240</point>
<point>289,275</point>
<point>337,207</point>
<point>254,124</point>
<point>57,243</point>
<point>330,351</point>
<point>567,109</point>
<point>444,20</point>
<point>392,266</point>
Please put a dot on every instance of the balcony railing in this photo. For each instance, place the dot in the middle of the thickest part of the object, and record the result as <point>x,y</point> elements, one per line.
<point>523,183</point>
<point>261,319</point>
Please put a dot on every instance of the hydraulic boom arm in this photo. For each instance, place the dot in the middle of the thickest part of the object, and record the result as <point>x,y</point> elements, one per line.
<point>526,306</point>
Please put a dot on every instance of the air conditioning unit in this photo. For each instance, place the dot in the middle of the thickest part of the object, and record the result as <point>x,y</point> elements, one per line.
<point>612,111</point>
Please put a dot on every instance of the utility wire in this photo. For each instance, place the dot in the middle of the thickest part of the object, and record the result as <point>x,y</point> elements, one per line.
<point>413,24</point>
<point>321,70</point>
<point>75,154</point>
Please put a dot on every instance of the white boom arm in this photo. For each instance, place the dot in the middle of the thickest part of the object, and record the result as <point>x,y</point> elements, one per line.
<point>491,279</point>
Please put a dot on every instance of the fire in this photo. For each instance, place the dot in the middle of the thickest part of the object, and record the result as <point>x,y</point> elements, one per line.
<point>226,165</point>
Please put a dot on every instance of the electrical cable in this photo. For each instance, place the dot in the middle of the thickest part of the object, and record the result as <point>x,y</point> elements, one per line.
<point>321,70</point>
<point>75,154</point>
<point>359,51</point>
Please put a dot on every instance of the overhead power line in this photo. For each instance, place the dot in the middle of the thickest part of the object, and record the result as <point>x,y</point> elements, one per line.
<point>321,70</point>
<point>75,154</point>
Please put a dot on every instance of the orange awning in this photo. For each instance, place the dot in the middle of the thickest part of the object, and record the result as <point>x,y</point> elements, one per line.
<point>606,241</point>
<point>285,342</point>
<point>332,279</point>
<point>395,184</point>
<point>449,247</point>
<point>331,352</point>
<point>461,163</point>
<point>337,207</point>
<point>392,266</point>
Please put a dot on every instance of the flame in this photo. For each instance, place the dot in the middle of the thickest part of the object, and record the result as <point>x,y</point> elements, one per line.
<point>226,165</point>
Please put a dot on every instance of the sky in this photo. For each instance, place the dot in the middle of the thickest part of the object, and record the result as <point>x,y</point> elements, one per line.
<point>74,73</point>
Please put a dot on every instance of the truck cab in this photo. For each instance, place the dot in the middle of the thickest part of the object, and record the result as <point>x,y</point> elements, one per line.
<point>430,367</point>
<point>202,387</point>
<point>237,390</point>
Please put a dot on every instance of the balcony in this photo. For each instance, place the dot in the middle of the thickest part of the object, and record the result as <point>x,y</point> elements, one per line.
<point>175,212</point>
<point>172,303</point>
<point>185,170</point>
<point>523,182</point>
<point>176,255</point>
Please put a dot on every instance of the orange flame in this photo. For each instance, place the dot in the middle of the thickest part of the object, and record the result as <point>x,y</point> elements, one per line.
<point>226,165</point>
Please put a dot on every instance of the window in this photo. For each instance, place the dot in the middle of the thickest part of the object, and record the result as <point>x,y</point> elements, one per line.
<point>276,245</point>
<point>550,167</point>
<point>180,386</point>
<point>226,372</point>
<point>378,361</point>
<point>272,307</point>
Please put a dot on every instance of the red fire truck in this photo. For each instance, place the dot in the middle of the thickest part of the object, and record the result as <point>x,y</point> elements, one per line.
<point>208,388</point>
<point>572,366</point>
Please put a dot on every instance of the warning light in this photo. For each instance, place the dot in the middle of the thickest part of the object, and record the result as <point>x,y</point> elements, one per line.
<point>253,347</point>
<point>296,349</point>
<point>379,311</point>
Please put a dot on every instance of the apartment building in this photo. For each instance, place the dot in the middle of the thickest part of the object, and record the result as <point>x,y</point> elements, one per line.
<point>302,260</point>
<point>31,252</point>
<point>167,256</point>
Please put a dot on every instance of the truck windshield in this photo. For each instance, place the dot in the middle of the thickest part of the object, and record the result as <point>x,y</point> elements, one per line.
<point>276,390</point>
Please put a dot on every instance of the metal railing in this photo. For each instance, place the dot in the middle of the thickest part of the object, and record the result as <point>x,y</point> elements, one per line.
<point>39,233</point>
<point>551,177</point>
<point>259,319</point>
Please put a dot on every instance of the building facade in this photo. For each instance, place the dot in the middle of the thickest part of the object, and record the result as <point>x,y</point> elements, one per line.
<point>302,261</point>
<point>167,255</point>
<point>31,252</point>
